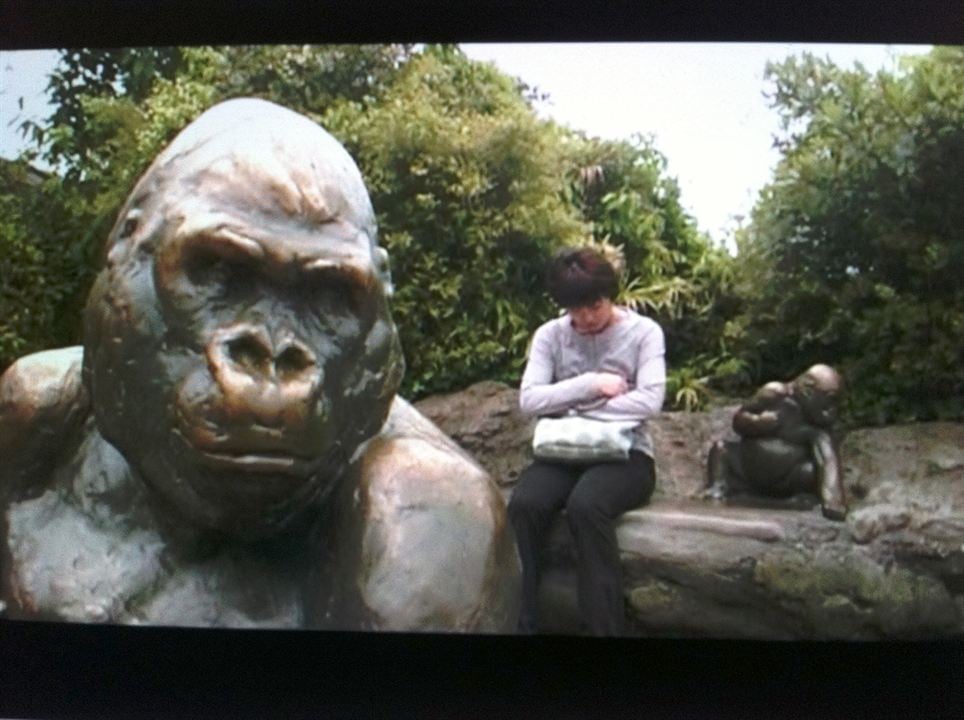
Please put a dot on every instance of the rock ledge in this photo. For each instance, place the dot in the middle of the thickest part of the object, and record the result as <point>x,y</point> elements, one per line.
<point>893,570</point>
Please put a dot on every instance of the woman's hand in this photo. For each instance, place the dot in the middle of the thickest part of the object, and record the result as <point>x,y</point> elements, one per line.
<point>610,384</point>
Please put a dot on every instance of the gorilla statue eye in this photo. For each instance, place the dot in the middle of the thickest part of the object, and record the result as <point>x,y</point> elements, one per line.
<point>130,226</point>
<point>211,269</point>
<point>334,289</point>
<point>131,223</point>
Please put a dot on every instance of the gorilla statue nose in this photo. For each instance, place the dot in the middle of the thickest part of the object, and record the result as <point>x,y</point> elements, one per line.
<point>254,355</point>
<point>273,383</point>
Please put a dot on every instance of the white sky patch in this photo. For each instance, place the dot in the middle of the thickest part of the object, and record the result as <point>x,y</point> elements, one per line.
<point>23,79</point>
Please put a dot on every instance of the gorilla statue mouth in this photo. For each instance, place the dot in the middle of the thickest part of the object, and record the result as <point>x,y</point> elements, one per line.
<point>268,462</point>
<point>210,438</point>
<point>252,480</point>
<point>247,451</point>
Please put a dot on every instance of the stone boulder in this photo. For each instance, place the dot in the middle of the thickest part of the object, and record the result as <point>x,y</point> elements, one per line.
<point>696,568</point>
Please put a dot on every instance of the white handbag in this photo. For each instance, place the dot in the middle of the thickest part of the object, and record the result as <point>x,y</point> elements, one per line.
<point>580,440</point>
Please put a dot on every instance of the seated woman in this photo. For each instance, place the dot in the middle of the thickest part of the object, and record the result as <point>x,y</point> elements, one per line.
<point>605,362</point>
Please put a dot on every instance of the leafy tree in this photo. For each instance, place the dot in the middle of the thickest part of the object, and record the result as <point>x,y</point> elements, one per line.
<point>74,139</point>
<point>468,186</point>
<point>855,250</point>
<point>44,266</point>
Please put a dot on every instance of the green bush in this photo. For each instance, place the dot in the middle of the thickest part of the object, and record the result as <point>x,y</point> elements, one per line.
<point>48,261</point>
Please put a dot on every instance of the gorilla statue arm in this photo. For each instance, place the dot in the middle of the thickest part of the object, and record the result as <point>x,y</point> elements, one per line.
<point>829,477</point>
<point>42,405</point>
<point>426,526</point>
<point>758,416</point>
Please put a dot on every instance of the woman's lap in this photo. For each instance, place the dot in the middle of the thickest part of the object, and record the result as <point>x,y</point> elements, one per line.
<point>613,487</point>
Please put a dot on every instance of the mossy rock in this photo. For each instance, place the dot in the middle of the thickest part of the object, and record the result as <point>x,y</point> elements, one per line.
<point>851,594</point>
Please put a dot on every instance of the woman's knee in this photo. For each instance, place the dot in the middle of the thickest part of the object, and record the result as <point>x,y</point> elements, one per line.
<point>527,500</point>
<point>540,488</point>
<point>583,506</point>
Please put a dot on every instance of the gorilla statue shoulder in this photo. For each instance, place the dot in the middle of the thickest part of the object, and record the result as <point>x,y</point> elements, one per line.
<point>785,448</point>
<point>227,448</point>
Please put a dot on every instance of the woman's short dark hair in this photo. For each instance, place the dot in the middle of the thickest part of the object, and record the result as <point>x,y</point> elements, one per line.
<point>580,276</point>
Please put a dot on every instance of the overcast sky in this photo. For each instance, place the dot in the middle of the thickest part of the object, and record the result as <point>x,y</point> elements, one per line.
<point>702,102</point>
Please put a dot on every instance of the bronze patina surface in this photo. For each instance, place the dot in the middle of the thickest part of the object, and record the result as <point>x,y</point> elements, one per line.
<point>227,448</point>
<point>785,447</point>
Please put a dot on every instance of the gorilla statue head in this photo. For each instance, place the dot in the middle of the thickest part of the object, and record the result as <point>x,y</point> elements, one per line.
<point>238,344</point>
<point>818,390</point>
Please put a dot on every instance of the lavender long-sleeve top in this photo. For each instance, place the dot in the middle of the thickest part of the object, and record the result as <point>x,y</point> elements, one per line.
<point>560,375</point>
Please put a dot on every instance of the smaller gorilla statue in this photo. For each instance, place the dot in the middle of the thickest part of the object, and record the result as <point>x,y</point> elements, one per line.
<point>785,448</point>
<point>227,448</point>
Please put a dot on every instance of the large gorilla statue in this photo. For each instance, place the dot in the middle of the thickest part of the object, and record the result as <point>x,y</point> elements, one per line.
<point>227,448</point>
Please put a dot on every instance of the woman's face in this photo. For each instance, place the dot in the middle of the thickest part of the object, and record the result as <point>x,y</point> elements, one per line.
<point>591,319</point>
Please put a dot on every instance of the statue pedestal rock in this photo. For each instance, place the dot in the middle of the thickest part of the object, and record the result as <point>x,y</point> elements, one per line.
<point>227,448</point>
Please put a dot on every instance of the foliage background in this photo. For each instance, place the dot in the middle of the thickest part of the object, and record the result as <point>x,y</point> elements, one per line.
<point>853,253</point>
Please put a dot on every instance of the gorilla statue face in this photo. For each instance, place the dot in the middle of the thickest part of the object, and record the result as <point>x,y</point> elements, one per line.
<point>238,344</point>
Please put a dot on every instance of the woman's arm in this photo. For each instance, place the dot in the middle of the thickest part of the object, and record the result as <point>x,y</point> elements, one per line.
<point>539,395</point>
<point>645,399</point>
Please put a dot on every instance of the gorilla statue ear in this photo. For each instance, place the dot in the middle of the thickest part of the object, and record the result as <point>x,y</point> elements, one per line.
<point>383,268</point>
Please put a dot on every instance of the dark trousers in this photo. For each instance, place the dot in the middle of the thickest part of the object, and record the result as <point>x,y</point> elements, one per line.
<point>593,496</point>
